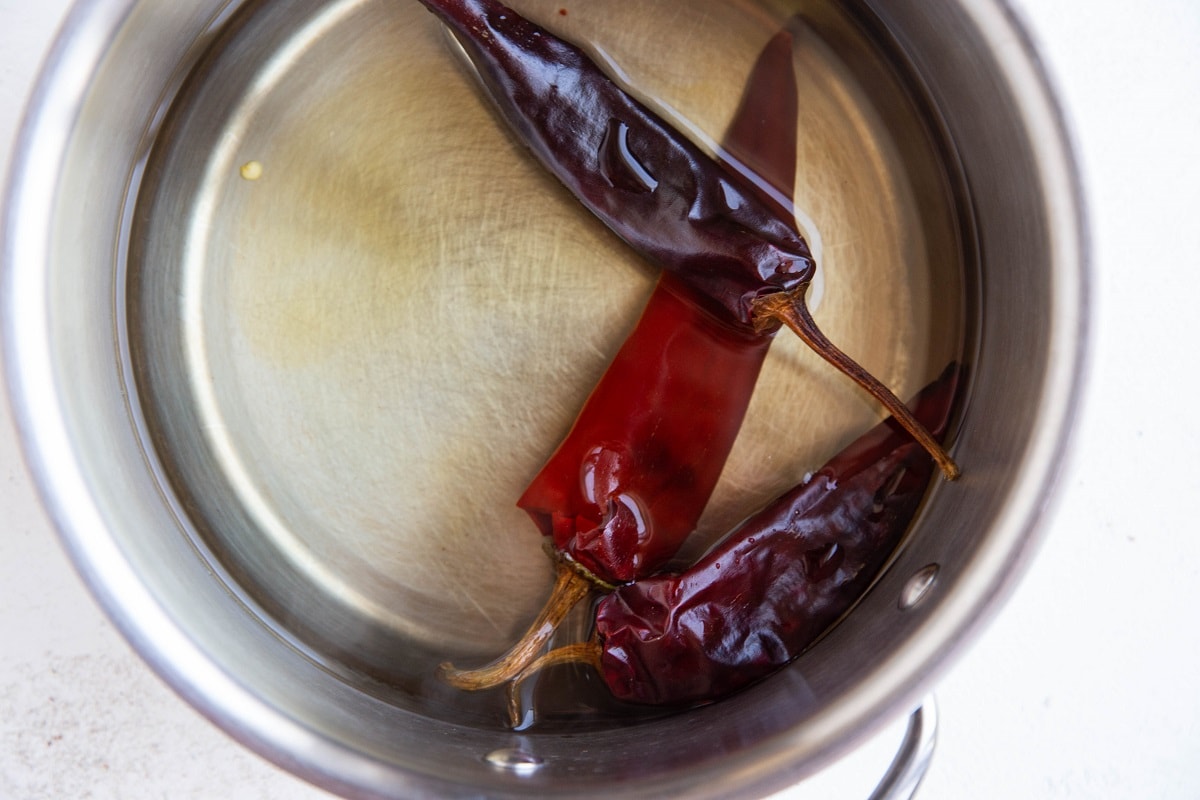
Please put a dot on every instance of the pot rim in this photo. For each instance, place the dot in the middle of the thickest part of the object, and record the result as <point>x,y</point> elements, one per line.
<point>28,200</point>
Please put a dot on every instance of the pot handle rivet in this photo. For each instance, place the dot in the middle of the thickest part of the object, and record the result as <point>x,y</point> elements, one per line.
<point>918,586</point>
<point>510,759</point>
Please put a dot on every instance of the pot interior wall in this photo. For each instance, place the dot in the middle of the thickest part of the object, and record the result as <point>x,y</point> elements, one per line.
<point>348,379</point>
<point>130,327</point>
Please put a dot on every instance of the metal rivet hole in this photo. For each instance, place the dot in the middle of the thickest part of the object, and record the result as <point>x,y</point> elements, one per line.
<point>918,586</point>
<point>515,761</point>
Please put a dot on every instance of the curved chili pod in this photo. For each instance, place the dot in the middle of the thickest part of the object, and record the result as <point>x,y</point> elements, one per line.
<point>659,426</point>
<point>706,223</point>
<point>773,585</point>
<point>652,186</point>
<point>778,581</point>
<point>627,485</point>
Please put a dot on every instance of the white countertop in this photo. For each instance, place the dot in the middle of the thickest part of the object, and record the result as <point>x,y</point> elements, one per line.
<point>1085,685</point>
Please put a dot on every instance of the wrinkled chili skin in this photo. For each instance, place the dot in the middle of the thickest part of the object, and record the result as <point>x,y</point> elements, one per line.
<point>628,483</point>
<point>654,188</point>
<point>778,581</point>
<point>659,426</point>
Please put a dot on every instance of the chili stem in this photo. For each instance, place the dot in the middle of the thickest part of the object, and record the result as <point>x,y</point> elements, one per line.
<point>790,309</point>
<point>578,653</point>
<point>569,589</point>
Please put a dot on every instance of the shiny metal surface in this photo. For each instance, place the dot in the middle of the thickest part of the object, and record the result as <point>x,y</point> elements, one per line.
<point>907,770</point>
<point>349,377</point>
<point>143,280</point>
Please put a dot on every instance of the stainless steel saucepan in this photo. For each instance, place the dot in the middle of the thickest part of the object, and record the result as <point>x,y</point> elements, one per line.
<point>289,321</point>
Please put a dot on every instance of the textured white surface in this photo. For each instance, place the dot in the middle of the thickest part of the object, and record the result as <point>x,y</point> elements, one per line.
<point>1084,686</point>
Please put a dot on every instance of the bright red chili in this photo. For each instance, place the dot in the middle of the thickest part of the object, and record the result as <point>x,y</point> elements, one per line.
<point>628,484</point>
<point>651,185</point>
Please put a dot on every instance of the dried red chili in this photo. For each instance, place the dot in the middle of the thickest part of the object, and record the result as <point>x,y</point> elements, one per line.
<point>627,485</point>
<point>774,584</point>
<point>739,256</point>
<point>728,250</point>
<point>625,488</point>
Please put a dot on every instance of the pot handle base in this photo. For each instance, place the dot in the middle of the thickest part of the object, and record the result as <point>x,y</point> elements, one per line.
<point>908,768</point>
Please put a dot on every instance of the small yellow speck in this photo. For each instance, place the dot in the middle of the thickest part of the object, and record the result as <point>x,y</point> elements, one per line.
<point>252,170</point>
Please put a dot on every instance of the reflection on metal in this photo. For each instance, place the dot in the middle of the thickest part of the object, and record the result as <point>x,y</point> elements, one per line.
<point>912,760</point>
<point>514,760</point>
<point>918,586</point>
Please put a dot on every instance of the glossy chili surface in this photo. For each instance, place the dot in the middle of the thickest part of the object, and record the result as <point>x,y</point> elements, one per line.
<point>776,582</point>
<point>684,211</point>
<point>629,482</point>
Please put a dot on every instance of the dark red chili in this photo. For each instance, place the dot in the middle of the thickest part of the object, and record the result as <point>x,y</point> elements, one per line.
<point>627,485</point>
<point>775,584</point>
<point>652,186</point>
<point>706,223</point>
